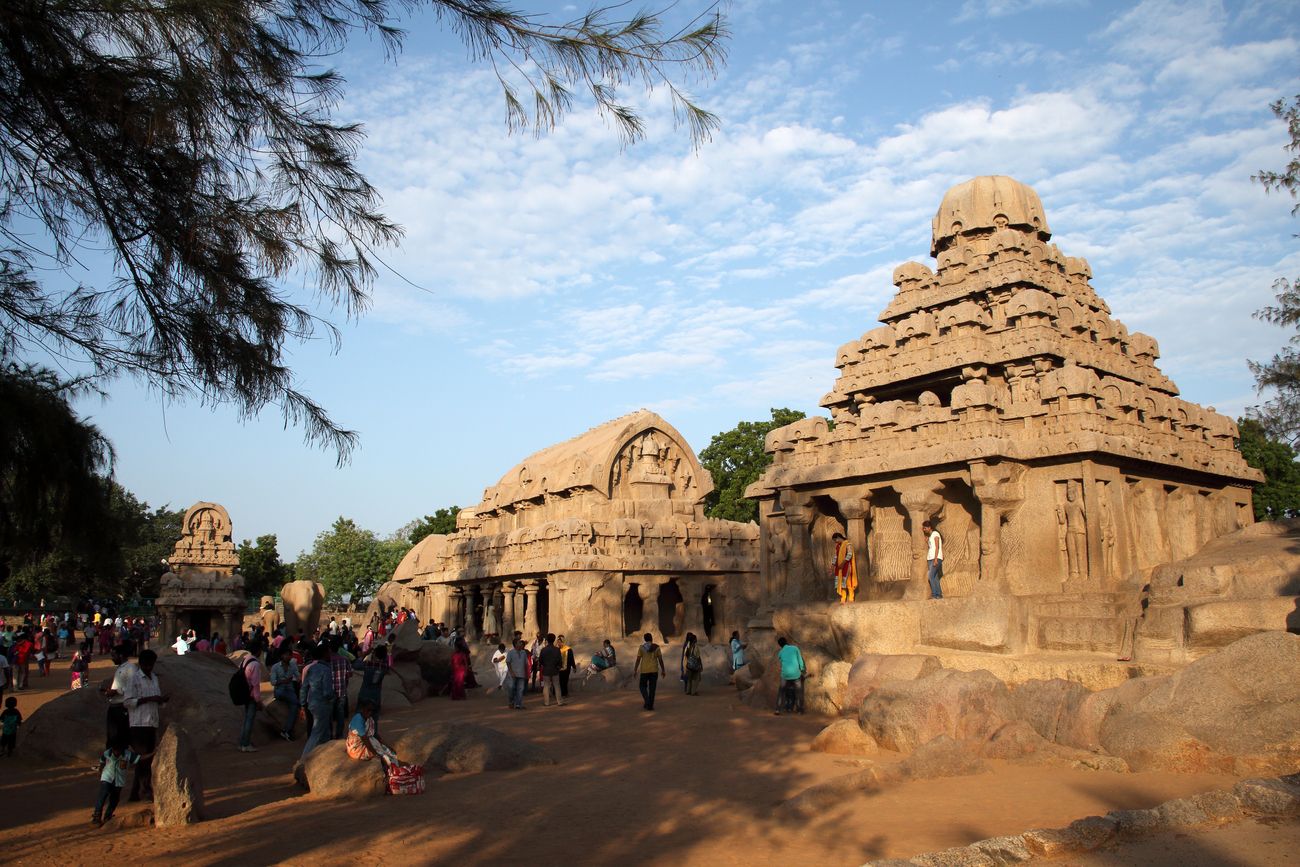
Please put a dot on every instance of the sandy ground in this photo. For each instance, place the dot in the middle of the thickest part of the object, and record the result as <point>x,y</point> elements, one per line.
<point>694,782</point>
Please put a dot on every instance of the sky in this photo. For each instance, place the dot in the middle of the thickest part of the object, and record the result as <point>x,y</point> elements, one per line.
<point>546,285</point>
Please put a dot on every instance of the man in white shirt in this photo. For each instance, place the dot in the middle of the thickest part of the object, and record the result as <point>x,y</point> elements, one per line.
<point>933,558</point>
<point>142,697</point>
<point>118,726</point>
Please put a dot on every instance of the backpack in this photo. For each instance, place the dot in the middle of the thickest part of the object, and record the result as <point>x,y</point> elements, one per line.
<point>694,663</point>
<point>239,693</point>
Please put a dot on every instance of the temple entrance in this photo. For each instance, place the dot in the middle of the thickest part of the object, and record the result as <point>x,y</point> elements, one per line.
<point>672,609</point>
<point>633,608</point>
<point>543,607</point>
<point>201,623</point>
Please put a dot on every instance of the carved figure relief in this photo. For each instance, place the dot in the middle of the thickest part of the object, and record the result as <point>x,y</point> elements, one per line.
<point>1072,525</point>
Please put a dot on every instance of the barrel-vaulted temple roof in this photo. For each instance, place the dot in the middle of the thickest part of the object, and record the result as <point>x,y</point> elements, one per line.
<point>585,461</point>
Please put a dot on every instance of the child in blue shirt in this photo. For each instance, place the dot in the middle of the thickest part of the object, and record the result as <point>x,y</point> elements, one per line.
<point>116,761</point>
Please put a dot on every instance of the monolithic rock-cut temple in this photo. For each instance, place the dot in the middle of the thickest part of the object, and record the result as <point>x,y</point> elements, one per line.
<point>601,536</point>
<point>201,590</point>
<point>1000,400</point>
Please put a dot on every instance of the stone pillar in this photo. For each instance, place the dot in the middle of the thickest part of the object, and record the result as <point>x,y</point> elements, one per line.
<point>508,612</point>
<point>472,596</point>
<point>520,623</point>
<point>921,503</point>
<point>530,609</point>
<point>455,598</point>
<point>801,577</point>
<point>443,605</point>
<point>1092,511</point>
<point>649,594</point>
<point>693,619</point>
<point>855,506</point>
<point>555,591</point>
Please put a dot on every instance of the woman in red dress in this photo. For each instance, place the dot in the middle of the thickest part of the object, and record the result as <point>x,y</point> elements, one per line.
<point>460,672</point>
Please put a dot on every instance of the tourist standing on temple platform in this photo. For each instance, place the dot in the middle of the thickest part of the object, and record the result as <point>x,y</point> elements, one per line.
<point>568,665</point>
<point>649,665</point>
<point>251,669</point>
<point>793,670</point>
<point>317,695</point>
<point>517,664</point>
<point>142,698</point>
<point>549,660</point>
<point>844,570</point>
<point>933,558</point>
<point>692,664</point>
<point>284,686</point>
<point>738,660</point>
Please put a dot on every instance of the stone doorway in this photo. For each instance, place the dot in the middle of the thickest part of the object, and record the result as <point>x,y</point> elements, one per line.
<point>672,609</point>
<point>201,623</point>
<point>710,616</point>
<point>633,608</point>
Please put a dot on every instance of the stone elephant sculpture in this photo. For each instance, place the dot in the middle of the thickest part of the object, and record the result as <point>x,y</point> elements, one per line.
<point>303,601</point>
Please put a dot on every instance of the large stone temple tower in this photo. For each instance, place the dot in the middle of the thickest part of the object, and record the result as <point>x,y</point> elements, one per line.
<point>1001,400</point>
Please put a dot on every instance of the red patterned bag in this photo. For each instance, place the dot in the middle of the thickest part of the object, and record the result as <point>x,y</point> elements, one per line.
<point>405,779</point>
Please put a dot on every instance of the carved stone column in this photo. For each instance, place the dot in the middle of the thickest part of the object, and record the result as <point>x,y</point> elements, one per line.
<point>471,602</point>
<point>649,594</point>
<point>508,612</point>
<point>693,606</point>
<point>799,514</point>
<point>555,591</point>
<point>530,608</point>
<point>922,503</point>
<point>455,601</point>
<point>855,506</point>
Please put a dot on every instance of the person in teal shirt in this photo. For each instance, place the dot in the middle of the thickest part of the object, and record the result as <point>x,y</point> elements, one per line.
<point>792,672</point>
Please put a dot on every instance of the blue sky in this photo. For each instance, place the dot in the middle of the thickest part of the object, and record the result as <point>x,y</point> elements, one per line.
<point>562,281</point>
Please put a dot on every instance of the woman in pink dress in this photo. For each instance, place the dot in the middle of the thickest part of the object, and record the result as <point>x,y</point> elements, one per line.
<point>459,670</point>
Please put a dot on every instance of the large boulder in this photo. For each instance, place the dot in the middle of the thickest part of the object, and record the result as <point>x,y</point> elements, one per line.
<point>844,737</point>
<point>405,641</point>
<point>965,705</point>
<point>1051,707</point>
<point>1238,709</point>
<point>434,659</point>
<point>870,670</point>
<point>467,748</point>
<point>824,693</point>
<point>329,772</point>
<point>71,727</point>
<point>392,695</point>
<point>411,677</point>
<point>177,780</point>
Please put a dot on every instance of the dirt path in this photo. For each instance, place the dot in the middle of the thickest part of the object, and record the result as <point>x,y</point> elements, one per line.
<point>692,783</point>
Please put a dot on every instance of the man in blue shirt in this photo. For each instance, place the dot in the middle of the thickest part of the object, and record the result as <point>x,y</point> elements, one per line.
<point>792,672</point>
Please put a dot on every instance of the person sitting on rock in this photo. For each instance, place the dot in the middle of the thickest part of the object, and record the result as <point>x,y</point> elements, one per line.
<point>603,660</point>
<point>364,743</point>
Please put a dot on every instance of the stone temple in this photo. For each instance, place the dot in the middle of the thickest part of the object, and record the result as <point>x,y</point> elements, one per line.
<point>201,590</point>
<point>1001,400</point>
<point>600,536</point>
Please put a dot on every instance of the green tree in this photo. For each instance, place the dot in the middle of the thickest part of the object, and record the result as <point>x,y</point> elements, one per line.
<point>1280,415</point>
<point>1279,496</point>
<point>442,522</point>
<point>259,562</point>
<point>350,561</point>
<point>736,459</point>
<point>147,537</point>
<point>194,140</point>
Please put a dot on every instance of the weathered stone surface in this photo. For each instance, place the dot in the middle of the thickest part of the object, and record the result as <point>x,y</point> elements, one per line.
<point>1048,705</point>
<point>1137,822</point>
<point>870,670</point>
<point>1217,624</point>
<point>1014,740</point>
<point>71,726</point>
<point>1271,797</point>
<point>824,693</point>
<point>392,694</point>
<point>177,780</point>
<point>406,641</point>
<point>844,737</point>
<point>303,601</point>
<point>329,772</point>
<point>1217,806</point>
<point>467,748</point>
<point>882,627</point>
<point>1235,709</point>
<point>962,856</point>
<point>983,624</point>
<point>1082,835</point>
<point>902,715</point>
<point>1004,850</point>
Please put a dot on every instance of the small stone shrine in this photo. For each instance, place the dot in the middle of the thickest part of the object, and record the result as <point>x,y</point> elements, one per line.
<point>201,590</point>
<point>601,536</point>
<point>1000,400</point>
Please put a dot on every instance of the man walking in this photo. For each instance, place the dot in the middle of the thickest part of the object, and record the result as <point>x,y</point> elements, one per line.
<point>649,665</point>
<point>340,670</point>
<point>550,660</point>
<point>517,666</point>
<point>317,695</point>
<point>792,672</point>
<point>252,672</point>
